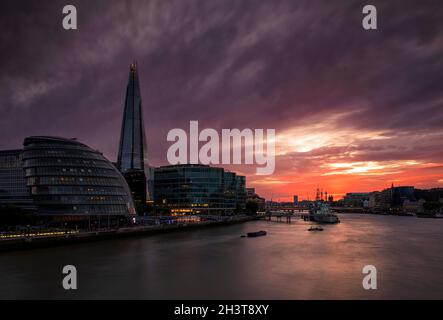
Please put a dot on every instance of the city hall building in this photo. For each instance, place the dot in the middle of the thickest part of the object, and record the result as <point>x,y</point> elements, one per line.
<point>198,189</point>
<point>64,180</point>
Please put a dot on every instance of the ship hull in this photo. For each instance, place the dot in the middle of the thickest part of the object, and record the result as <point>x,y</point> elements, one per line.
<point>324,219</point>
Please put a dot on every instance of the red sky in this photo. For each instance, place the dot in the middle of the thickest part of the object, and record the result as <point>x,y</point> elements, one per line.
<point>337,158</point>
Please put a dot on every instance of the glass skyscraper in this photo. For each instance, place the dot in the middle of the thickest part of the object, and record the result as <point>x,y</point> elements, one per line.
<point>132,153</point>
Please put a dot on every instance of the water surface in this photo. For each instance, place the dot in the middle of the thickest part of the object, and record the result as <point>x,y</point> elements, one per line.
<point>215,263</point>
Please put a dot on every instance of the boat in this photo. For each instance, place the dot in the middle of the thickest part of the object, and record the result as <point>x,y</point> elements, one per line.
<point>407,214</point>
<point>256,234</point>
<point>315,228</point>
<point>319,212</point>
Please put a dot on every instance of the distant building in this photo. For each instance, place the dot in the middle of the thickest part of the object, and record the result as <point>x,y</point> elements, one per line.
<point>274,205</point>
<point>431,195</point>
<point>402,193</point>
<point>240,187</point>
<point>413,206</point>
<point>13,188</point>
<point>271,204</point>
<point>385,198</point>
<point>250,192</point>
<point>356,199</point>
<point>254,197</point>
<point>295,200</point>
<point>198,189</point>
<point>397,198</point>
<point>375,200</point>
<point>305,203</point>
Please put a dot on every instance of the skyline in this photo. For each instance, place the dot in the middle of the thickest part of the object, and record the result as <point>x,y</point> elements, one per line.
<point>353,110</point>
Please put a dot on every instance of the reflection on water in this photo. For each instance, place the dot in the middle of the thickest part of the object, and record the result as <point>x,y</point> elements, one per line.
<point>215,263</point>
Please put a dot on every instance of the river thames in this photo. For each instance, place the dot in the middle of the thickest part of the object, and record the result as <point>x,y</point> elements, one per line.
<point>216,263</point>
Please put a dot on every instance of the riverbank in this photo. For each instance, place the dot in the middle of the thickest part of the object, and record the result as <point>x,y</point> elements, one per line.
<point>35,241</point>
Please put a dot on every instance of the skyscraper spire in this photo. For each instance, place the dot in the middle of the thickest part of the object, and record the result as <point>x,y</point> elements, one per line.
<point>132,152</point>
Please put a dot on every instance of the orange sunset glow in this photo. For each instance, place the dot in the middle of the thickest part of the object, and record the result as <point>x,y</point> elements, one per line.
<point>342,159</point>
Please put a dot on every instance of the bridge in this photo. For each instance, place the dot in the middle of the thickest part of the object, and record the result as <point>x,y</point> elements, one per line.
<point>283,215</point>
<point>287,213</point>
<point>287,208</point>
<point>294,209</point>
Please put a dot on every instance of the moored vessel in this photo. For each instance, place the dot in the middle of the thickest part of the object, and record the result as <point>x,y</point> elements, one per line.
<point>256,234</point>
<point>319,212</point>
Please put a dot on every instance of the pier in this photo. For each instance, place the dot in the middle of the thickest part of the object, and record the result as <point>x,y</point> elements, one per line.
<point>283,216</point>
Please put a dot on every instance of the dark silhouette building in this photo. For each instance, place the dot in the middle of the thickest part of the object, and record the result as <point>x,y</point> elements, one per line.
<point>402,193</point>
<point>13,189</point>
<point>132,150</point>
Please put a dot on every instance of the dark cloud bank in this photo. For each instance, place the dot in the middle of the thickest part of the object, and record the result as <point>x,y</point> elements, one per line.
<point>245,64</point>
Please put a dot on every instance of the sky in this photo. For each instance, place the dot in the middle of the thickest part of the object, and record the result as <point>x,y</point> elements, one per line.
<point>354,110</point>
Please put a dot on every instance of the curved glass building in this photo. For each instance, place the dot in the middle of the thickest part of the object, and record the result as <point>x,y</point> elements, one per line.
<point>71,181</point>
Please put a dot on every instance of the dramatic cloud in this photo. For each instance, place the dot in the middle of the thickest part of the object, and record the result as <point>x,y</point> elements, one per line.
<point>353,110</point>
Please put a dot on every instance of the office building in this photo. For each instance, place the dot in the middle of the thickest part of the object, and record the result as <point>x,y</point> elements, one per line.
<point>252,196</point>
<point>240,191</point>
<point>356,199</point>
<point>13,189</point>
<point>198,189</point>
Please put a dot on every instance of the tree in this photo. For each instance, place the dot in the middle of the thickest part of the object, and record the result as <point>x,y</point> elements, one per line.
<point>237,209</point>
<point>432,206</point>
<point>12,216</point>
<point>251,207</point>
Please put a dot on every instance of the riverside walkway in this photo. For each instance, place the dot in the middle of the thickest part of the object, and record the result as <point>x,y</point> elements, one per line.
<point>27,240</point>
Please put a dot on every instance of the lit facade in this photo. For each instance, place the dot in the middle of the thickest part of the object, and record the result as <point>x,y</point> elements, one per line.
<point>198,189</point>
<point>68,180</point>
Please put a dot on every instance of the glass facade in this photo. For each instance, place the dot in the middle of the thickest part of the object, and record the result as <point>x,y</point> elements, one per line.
<point>198,189</point>
<point>67,178</point>
<point>132,139</point>
<point>132,149</point>
<point>13,189</point>
<point>241,191</point>
<point>136,180</point>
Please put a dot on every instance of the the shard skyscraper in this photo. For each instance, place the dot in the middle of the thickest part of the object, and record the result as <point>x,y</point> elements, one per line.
<point>132,153</point>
